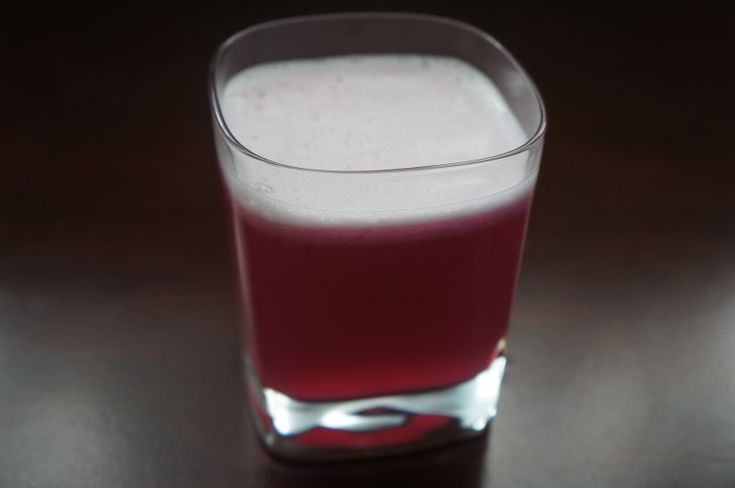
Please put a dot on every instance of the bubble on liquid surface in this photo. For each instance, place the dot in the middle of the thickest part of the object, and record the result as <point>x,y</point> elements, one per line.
<point>264,188</point>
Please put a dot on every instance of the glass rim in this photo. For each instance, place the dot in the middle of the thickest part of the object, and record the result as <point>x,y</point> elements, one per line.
<point>531,141</point>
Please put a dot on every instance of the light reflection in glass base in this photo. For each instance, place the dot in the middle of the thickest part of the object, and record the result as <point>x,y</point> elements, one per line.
<point>467,406</point>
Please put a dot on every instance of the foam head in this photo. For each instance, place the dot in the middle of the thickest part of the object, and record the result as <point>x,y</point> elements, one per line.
<point>370,112</point>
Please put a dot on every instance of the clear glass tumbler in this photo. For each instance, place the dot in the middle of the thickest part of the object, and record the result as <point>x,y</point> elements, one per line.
<point>369,329</point>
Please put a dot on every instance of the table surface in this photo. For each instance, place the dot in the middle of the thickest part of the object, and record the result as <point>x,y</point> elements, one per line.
<point>119,338</point>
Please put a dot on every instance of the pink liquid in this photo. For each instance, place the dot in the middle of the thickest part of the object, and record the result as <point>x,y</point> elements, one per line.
<point>361,311</point>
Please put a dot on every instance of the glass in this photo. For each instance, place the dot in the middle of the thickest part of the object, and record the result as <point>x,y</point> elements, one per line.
<point>386,335</point>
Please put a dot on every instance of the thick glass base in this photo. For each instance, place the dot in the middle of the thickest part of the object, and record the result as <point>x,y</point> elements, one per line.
<point>376,426</point>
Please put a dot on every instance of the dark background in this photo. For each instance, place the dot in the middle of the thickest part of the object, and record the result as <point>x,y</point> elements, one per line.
<point>118,320</point>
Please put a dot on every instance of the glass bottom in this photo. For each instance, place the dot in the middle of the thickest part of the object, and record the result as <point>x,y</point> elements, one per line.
<point>375,426</point>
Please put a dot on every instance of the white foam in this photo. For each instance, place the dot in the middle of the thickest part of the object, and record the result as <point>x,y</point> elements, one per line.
<point>368,112</point>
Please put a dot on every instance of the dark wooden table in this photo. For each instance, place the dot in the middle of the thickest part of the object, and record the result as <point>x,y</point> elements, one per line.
<point>119,338</point>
